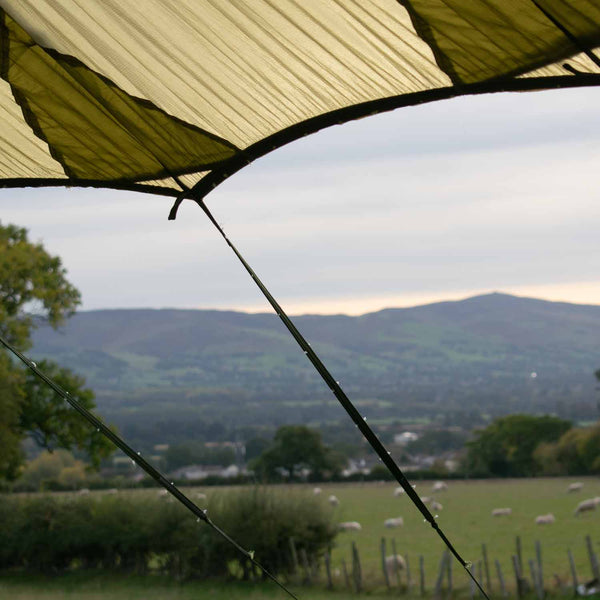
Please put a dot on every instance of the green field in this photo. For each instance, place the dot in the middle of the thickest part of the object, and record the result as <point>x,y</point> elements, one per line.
<point>465,518</point>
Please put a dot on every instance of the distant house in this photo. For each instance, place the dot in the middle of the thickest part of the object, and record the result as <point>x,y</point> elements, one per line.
<point>401,439</point>
<point>196,472</point>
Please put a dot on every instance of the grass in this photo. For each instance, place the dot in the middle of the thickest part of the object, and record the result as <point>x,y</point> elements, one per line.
<point>465,518</point>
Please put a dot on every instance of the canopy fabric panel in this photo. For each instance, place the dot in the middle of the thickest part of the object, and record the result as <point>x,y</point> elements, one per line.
<point>162,95</point>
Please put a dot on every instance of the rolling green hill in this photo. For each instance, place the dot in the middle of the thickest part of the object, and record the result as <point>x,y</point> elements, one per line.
<point>478,354</point>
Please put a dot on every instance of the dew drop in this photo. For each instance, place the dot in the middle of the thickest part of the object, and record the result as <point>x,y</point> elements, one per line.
<point>33,364</point>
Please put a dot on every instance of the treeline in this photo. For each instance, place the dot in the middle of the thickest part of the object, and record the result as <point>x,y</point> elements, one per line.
<point>140,532</point>
<point>529,446</point>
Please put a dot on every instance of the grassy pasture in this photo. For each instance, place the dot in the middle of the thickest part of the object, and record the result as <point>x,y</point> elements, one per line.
<point>465,518</point>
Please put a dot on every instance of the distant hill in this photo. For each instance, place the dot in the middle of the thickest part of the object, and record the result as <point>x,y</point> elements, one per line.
<point>495,353</point>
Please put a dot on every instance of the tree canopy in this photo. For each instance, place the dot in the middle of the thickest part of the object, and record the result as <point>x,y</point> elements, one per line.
<point>506,447</point>
<point>296,448</point>
<point>33,289</point>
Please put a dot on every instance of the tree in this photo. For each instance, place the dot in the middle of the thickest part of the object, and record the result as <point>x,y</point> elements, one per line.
<point>506,446</point>
<point>34,289</point>
<point>295,448</point>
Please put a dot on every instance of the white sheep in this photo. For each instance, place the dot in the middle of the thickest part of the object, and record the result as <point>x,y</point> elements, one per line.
<point>574,487</point>
<point>545,519</point>
<point>83,492</point>
<point>425,499</point>
<point>349,526</point>
<point>394,564</point>
<point>162,492</point>
<point>435,505</point>
<point>586,506</point>
<point>333,500</point>
<point>439,486</point>
<point>394,522</point>
<point>398,492</point>
<point>501,512</point>
<point>317,491</point>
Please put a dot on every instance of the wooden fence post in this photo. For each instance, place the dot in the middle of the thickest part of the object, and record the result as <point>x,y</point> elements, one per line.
<point>488,582</point>
<point>593,558</point>
<point>540,572</point>
<point>294,556</point>
<point>398,576</point>
<point>573,572</point>
<point>500,578</point>
<point>356,570</point>
<point>328,570</point>
<point>408,577</point>
<point>519,555</point>
<point>384,565</point>
<point>535,577</point>
<point>345,571</point>
<point>515,561</point>
<point>305,566</point>
<point>438,583</point>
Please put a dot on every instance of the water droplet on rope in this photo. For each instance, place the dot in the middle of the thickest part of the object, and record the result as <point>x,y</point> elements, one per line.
<point>468,564</point>
<point>33,364</point>
<point>436,517</point>
<point>139,453</point>
<point>97,429</point>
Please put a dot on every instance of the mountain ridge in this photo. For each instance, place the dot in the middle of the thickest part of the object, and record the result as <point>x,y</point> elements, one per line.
<point>478,352</point>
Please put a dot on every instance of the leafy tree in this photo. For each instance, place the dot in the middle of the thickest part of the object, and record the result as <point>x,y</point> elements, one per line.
<point>506,446</point>
<point>33,289</point>
<point>295,448</point>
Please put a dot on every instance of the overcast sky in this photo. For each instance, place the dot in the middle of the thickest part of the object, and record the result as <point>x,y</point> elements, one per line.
<point>441,201</point>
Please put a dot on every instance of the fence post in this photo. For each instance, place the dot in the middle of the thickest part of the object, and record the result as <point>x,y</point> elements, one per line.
<point>488,582</point>
<point>384,565</point>
<point>593,557</point>
<point>573,572</point>
<point>519,555</point>
<point>535,577</point>
<point>515,562</point>
<point>421,575</point>
<point>500,578</point>
<point>540,572</point>
<point>440,577</point>
<point>346,576</point>
<point>408,577</point>
<point>306,566</point>
<point>356,570</point>
<point>398,576</point>
<point>328,570</point>
<point>294,556</point>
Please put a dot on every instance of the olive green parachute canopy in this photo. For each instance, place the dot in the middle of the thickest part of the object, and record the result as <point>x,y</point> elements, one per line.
<point>166,96</point>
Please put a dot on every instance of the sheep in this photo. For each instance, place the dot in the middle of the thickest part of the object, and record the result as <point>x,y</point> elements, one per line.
<point>83,491</point>
<point>333,500</point>
<point>400,490</point>
<point>586,506</point>
<point>394,522</point>
<point>199,495</point>
<point>425,499</point>
<point>574,487</point>
<point>501,512</point>
<point>435,505</point>
<point>349,526</point>
<point>317,491</point>
<point>394,564</point>
<point>162,492</point>
<point>545,519</point>
<point>439,486</point>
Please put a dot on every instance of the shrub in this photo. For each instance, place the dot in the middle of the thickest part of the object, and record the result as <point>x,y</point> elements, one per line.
<point>136,532</point>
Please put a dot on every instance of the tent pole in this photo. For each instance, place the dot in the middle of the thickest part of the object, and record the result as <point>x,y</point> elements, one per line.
<point>334,386</point>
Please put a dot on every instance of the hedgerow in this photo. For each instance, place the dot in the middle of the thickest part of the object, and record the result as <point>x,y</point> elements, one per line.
<point>138,533</point>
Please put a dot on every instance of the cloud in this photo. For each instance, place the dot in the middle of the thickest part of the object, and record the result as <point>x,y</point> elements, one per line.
<point>474,194</point>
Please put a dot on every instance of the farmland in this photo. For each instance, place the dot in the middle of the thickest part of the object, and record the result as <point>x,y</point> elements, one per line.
<point>465,518</point>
